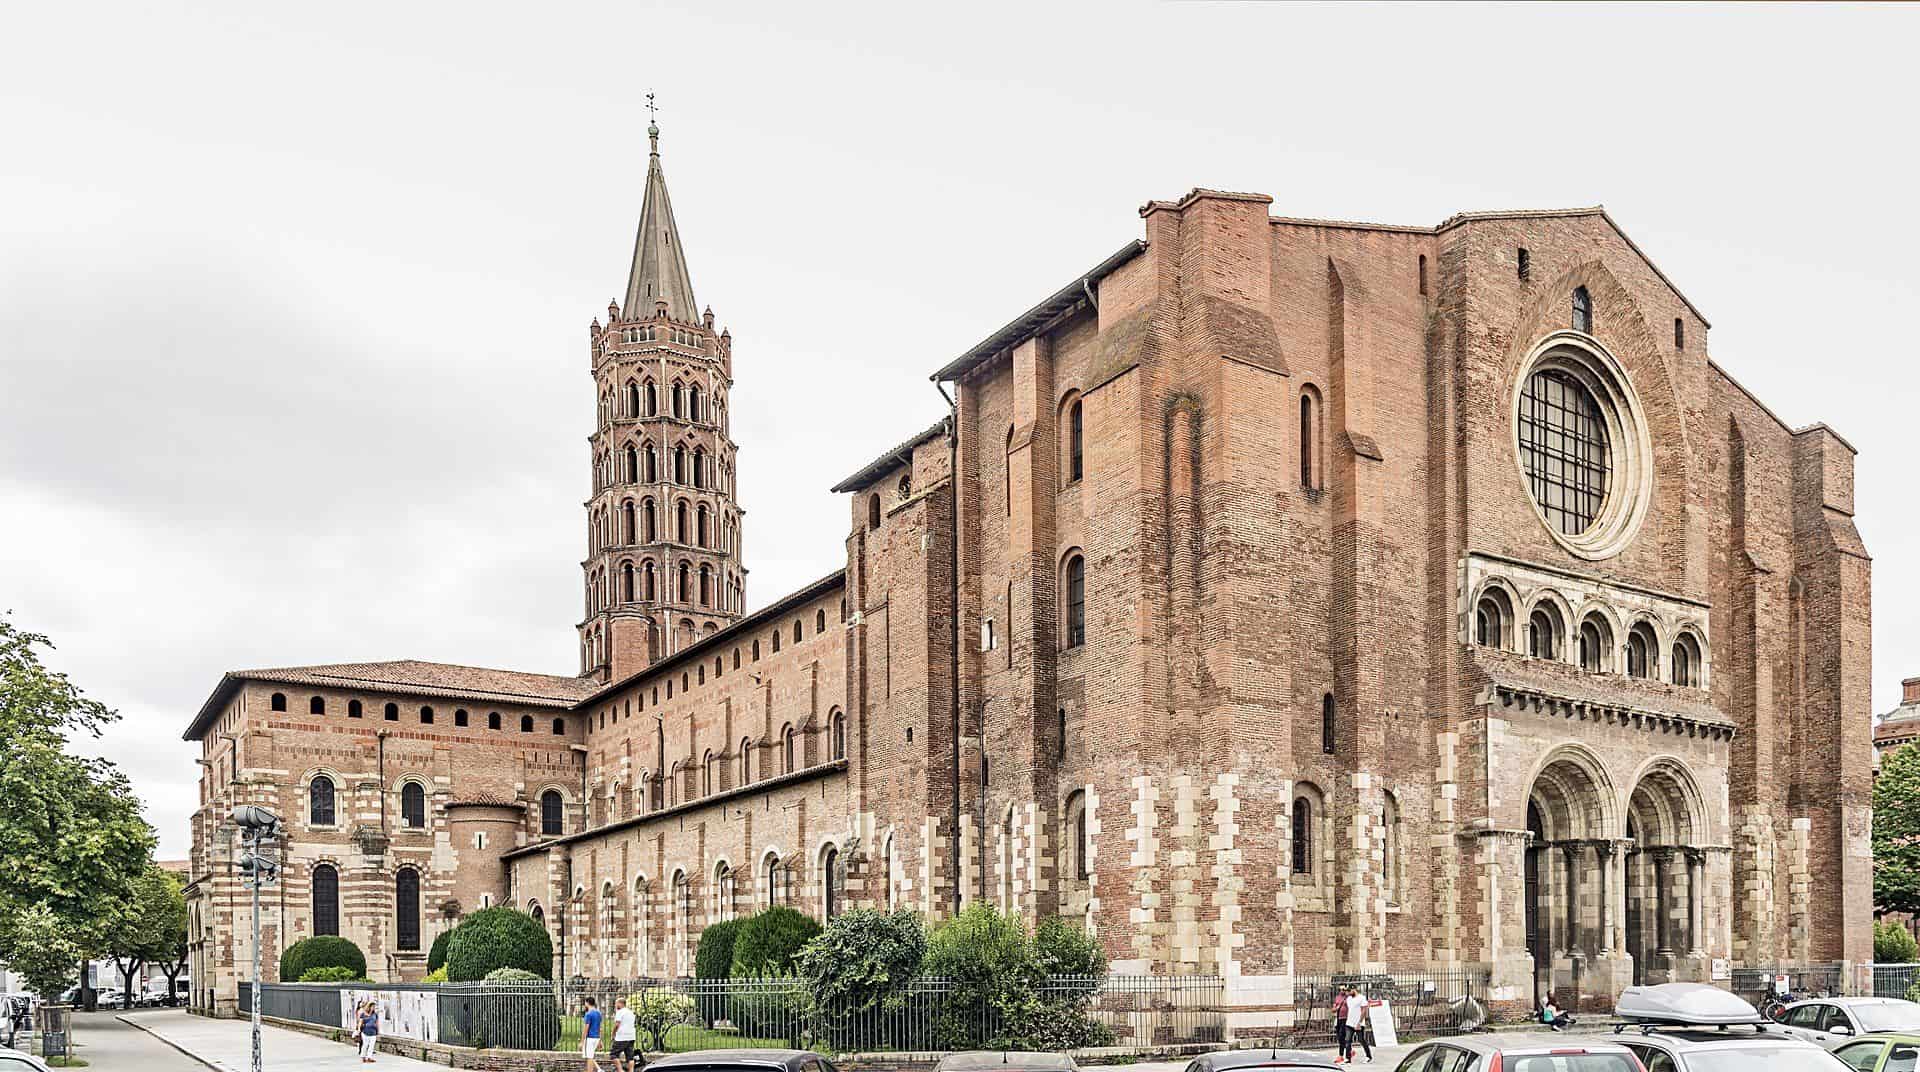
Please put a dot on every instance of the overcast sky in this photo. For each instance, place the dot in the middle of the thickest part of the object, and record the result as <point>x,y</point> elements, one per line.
<point>293,298</point>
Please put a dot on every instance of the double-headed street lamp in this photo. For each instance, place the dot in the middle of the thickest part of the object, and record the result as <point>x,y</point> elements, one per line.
<point>260,829</point>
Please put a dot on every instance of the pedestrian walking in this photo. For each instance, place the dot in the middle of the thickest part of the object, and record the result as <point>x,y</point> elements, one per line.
<point>1340,1025</point>
<point>589,1044</point>
<point>1357,1027</point>
<point>369,1032</point>
<point>624,1034</point>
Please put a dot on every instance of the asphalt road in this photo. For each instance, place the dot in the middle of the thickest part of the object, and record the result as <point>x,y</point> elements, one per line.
<point>106,1043</point>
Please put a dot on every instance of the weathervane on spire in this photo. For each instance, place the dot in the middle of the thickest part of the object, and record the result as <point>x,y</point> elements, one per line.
<point>653,127</point>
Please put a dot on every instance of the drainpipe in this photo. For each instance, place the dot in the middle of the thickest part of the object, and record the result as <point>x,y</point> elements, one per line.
<point>953,593</point>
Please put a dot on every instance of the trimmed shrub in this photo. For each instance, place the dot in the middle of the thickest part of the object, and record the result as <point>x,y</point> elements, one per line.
<point>516,1018</point>
<point>437,955</point>
<point>1894,944</point>
<point>713,960</point>
<point>499,937</point>
<point>859,965</point>
<point>768,941</point>
<point>513,975</point>
<point>437,975</point>
<point>321,951</point>
<point>330,975</point>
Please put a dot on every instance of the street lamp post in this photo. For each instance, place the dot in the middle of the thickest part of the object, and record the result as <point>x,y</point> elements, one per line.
<point>260,829</point>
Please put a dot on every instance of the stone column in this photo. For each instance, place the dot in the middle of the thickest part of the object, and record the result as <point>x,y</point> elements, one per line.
<point>1571,851</point>
<point>1663,901</point>
<point>1603,864</point>
<point>1696,866</point>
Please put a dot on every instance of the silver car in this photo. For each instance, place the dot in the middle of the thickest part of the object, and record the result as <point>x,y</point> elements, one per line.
<point>1831,1021</point>
<point>1738,1049</point>
<point>16,1061</point>
<point>1520,1051</point>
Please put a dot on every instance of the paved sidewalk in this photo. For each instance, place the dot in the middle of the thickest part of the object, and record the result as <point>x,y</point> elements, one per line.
<point>227,1045</point>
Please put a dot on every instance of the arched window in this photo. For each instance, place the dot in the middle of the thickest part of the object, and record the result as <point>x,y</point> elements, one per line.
<point>839,735</point>
<point>776,641</point>
<point>1686,661</point>
<point>680,463</point>
<point>633,399</point>
<point>1311,471</point>
<point>706,589</point>
<point>1582,310</point>
<point>693,402</point>
<point>426,716</point>
<point>1329,725</point>
<point>626,582</point>
<point>796,631</point>
<point>770,875</point>
<point>526,723</point>
<point>680,521</point>
<point>650,399</point>
<point>1543,632</point>
<point>279,701</point>
<point>1596,643</point>
<point>552,813</point>
<point>1490,618</point>
<point>683,591</point>
<point>699,468</point>
<point>632,468</point>
<point>406,909</point>
<point>1076,441</point>
<point>1302,836</point>
<point>539,916</point>
<point>788,746</point>
<point>831,879</point>
<point>1073,835</point>
<point>316,706</point>
<point>1007,471</point>
<point>493,720</point>
<point>353,708</point>
<point>649,463</point>
<point>1642,651</point>
<point>559,727</point>
<point>392,712</point>
<point>320,811</point>
<point>746,750</point>
<point>413,805</point>
<point>708,774</point>
<point>873,512</point>
<point>1076,601</point>
<point>700,526</point>
<point>646,580</point>
<point>460,717</point>
<point>626,521</point>
<point>820,621</point>
<point>679,396</point>
<point>326,899</point>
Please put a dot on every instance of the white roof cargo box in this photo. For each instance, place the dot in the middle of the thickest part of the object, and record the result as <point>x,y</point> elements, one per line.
<point>1684,1003</point>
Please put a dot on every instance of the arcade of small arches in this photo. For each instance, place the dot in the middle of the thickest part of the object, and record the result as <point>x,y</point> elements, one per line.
<point>1604,642</point>
<point>1610,875</point>
<point>641,928</point>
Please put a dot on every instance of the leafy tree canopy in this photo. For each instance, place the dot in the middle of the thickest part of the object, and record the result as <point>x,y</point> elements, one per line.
<point>1896,832</point>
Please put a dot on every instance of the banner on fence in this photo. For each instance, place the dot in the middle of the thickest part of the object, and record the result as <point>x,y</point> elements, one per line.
<point>1380,1019</point>
<point>407,1014</point>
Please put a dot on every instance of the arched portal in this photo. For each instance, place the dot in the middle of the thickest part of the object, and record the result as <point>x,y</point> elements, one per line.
<point>1665,874</point>
<point>1570,812</point>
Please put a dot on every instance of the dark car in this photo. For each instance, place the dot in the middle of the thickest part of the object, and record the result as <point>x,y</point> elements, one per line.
<point>1006,1061</point>
<point>746,1061</point>
<point>1237,1059</point>
<point>1520,1051</point>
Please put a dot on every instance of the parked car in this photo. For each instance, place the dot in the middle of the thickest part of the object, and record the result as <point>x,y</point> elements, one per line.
<point>1693,1027</point>
<point>12,1060</point>
<point>1009,1060</point>
<point>745,1061</point>
<point>1520,1051</point>
<point>1828,1020</point>
<point>1239,1059</point>
<point>1891,1052</point>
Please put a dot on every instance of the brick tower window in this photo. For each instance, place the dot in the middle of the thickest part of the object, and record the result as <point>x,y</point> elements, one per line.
<point>326,899</point>
<point>552,813</point>
<point>1543,632</point>
<point>278,701</point>
<point>413,805</point>
<point>1642,651</point>
<point>1076,601</point>
<point>1679,334</point>
<point>1076,442</point>
<point>1302,836</point>
<point>317,706</point>
<point>1490,618</point>
<point>1329,724</point>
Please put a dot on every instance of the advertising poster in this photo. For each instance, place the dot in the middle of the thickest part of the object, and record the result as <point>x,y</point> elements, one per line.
<point>407,1014</point>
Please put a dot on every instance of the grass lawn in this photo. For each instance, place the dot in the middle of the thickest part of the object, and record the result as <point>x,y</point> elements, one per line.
<point>681,1039</point>
<point>66,1062</point>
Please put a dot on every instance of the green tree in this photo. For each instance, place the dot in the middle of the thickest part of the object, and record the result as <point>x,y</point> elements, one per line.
<point>44,955</point>
<point>859,965</point>
<point>151,927</point>
<point>769,940</point>
<point>1894,944</point>
<point>1896,832</point>
<point>72,842</point>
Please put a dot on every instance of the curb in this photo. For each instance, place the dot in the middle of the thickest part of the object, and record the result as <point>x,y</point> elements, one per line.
<point>137,1024</point>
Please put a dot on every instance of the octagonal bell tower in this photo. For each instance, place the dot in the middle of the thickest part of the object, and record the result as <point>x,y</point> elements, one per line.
<point>663,524</point>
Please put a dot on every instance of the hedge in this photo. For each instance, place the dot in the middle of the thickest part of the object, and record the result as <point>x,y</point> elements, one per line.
<point>713,959</point>
<point>437,956</point>
<point>769,940</point>
<point>498,937</point>
<point>321,951</point>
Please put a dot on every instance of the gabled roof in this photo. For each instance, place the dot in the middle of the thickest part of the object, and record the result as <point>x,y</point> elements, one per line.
<point>659,261</point>
<point>1024,325</point>
<point>412,676</point>
<point>899,455</point>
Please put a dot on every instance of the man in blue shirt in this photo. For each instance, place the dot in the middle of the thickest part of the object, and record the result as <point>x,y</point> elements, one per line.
<point>591,1042</point>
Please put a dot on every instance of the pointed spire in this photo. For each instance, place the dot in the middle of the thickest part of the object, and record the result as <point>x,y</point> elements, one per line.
<point>659,266</point>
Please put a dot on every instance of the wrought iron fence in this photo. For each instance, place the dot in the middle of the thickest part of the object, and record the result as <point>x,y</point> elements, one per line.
<point>1894,980</point>
<point>1803,981</point>
<point>1061,1013</point>
<point>1423,1003</point>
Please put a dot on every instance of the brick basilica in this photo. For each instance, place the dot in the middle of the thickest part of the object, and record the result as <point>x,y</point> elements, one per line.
<point>1279,596</point>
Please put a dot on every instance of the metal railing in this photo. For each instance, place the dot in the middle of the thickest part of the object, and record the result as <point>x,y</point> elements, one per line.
<point>1803,981</point>
<point>1894,980</point>
<point>1060,1013</point>
<point>1424,1003</point>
